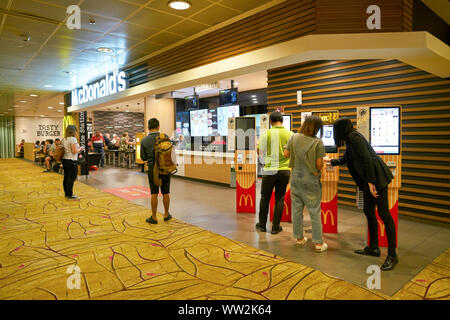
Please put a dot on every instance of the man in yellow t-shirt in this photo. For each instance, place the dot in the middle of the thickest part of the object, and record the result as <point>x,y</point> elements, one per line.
<point>276,171</point>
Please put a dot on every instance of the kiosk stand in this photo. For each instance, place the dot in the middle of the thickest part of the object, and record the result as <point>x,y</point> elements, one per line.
<point>330,175</point>
<point>245,163</point>
<point>381,126</point>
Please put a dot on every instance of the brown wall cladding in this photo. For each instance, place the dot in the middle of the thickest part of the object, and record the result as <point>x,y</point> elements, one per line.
<point>425,101</point>
<point>118,123</point>
<point>286,21</point>
<point>349,16</point>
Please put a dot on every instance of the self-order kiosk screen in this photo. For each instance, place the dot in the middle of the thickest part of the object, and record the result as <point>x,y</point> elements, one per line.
<point>385,130</point>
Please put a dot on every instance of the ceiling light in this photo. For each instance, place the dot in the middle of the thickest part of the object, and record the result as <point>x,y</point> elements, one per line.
<point>42,115</point>
<point>33,95</point>
<point>91,21</point>
<point>253,95</point>
<point>61,103</point>
<point>179,4</point>
<point>105,50</point>
<point>23,101</point>
<point>59,110</point>
<point>50,107</point>
<point>48,86</point>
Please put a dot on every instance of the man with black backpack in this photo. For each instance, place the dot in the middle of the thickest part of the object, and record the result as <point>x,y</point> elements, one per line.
<point>156,149</point>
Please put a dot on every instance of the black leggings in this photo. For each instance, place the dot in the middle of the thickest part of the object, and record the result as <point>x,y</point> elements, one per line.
<point>382,204</point>
<point>70,175</point>
<point>278,180</point>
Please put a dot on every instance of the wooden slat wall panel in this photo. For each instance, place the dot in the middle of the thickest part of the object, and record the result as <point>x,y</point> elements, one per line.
<point>286,21</point>
<point>425,100</point>
<point>349,16</point>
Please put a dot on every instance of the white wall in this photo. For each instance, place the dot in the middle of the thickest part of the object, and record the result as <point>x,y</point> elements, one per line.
<point>37,128</point>
<point>163,110</point>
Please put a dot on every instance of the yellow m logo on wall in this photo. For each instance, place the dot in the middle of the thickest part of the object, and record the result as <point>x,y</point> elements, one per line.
<point>246,198</point>
<point>325,216</point>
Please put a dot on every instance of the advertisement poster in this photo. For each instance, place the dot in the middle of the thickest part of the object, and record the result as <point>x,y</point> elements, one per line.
<point>199,123</point>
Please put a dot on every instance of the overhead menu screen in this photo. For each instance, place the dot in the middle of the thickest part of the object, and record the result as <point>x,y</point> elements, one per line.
<point>183,124</point>
<point>223,113</point>
<point>199,123</point>
<point>385,129</point>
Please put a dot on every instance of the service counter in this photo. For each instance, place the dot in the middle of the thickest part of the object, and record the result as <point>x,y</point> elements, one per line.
<point>204,165</point>
<point>29,152</point>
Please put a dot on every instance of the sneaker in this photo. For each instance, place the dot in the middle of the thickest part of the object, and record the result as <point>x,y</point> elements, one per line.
<point>48,170</point>
<point>321,247</point>
<point>73,198</point>
<point>151,220</point>
<point>276,230</point>
<point>168,217</point>
<point>302,242</point>
<point>260,227</point>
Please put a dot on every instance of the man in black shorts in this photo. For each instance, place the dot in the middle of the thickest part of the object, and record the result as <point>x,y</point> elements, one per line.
<point>148,154</point>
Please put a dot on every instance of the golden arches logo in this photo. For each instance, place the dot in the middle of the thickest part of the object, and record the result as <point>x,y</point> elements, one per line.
<point>325,215</point>
<point>287,209</point>
<point>246,197</point>
<point>382,227</point>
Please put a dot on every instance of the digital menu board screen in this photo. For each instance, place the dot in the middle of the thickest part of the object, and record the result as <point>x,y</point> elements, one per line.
<point>223,113</point>
<point>199,123</point>
<point>228,97</point>
<point>385,129</point>
<point>183,124</point>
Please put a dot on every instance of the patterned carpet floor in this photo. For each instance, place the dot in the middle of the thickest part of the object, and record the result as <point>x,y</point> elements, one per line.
<point>44,238</point>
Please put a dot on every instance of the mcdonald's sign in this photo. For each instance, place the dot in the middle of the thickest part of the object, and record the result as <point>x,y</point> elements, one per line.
<point>246,197</point>
<point>325,215</point>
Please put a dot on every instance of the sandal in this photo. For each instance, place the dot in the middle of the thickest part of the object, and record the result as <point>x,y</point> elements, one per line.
<point>302,242</point>
<point>321,247</point>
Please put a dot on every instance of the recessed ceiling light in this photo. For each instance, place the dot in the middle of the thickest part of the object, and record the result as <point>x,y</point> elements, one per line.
<point>33,95</point>
<point>23,101</point>
<point>48,86</point>
<point>105,50</point>
<point>179,4</point>
<point>42,115</point>
<point>59,110</point>
<point>253,95</point>
<point>61,103</point>
<point>50,107</point>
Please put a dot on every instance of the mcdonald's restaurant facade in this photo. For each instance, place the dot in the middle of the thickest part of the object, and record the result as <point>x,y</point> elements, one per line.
<point>340,55</point>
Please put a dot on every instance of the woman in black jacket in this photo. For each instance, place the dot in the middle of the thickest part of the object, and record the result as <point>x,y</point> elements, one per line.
<point>372,176</point>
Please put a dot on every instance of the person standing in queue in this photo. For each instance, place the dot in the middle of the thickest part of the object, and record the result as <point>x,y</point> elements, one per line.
<point>276,172</point>
<point>306,152</point>
<point>372,176</point>
<point>70,161</point>
<point>148,154</point>
<point>98,144</point>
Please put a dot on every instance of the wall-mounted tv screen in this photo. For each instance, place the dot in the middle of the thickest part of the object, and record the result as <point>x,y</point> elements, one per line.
<point>385,129</point>
<point>328,138</point>
<point>199,123</point>
<point>223,113</point>
<point>228,97</point>
<point>287,122</point>
<point>191,102</point>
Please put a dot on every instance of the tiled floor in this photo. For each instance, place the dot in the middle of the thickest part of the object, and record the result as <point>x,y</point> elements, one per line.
<point>213,208</point>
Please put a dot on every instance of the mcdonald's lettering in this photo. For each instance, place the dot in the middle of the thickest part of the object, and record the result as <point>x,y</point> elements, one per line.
<point>325,215</point>
<point>246,197</point>
<point>382,227</point>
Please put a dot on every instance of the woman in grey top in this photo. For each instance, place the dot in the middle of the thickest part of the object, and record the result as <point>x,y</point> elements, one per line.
<point>306,153</point>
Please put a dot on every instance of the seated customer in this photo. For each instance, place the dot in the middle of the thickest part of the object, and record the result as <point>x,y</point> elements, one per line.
<point>49,157</point>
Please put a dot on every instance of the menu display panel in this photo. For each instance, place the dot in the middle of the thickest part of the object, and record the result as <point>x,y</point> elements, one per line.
<point>223,113</point>
<point>385,129</point>
<point>199,123</point>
